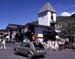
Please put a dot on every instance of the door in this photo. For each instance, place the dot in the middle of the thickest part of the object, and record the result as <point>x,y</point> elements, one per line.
<point>21,48</point>
<point>27,48</point>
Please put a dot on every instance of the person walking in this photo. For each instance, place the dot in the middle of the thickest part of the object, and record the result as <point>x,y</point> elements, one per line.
<point>3,44</point>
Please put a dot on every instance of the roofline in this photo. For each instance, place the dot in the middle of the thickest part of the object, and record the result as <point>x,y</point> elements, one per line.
<point>47,7</point>
<point>46,11</point>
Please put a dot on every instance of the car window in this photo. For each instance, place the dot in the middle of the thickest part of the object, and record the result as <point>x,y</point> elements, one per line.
<point>22,44</point>
<point>38,45</point>
<point>27,45</point>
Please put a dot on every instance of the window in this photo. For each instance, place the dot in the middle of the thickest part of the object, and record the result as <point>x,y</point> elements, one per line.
<point>52,16</point>
<point>38,45</point>
<point>22,45</point>
<point>27,45</point>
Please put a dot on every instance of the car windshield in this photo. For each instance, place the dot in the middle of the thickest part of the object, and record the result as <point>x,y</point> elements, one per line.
<point>38,45</point>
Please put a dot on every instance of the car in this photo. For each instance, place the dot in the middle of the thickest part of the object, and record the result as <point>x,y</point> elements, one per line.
<point>30,49</point>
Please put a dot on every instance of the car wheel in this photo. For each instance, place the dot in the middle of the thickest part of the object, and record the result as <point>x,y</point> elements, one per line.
<point>16,52</point>
<point>30,56</point>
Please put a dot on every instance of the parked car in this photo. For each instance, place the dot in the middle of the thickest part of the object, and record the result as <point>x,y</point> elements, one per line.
<point>30,49</point>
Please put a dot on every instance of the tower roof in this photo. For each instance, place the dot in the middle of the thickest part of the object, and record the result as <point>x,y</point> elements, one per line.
<point>47,7</point>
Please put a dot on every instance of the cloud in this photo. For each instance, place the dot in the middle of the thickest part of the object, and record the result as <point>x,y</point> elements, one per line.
<point>65,14</point>
<point>73,13</point>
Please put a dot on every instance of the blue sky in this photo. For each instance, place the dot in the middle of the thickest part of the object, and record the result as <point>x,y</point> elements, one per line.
<point>24,11</point>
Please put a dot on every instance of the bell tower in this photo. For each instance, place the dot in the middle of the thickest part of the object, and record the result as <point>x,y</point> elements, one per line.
<point>46,15</point>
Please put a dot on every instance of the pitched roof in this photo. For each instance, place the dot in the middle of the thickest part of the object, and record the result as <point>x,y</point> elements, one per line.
<point>14,26</point>
<point>35,23</point>
<point>73,15</point>
<point>47,7</point>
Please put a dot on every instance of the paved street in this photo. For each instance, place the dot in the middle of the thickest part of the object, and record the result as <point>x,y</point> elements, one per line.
<point>9,54</point>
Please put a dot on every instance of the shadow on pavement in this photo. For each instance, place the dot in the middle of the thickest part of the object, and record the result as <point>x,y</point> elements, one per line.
<point>36,57</point>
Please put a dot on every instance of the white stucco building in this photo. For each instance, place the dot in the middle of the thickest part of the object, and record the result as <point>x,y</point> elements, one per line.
<point>46,20</point>
<point>47,15</point>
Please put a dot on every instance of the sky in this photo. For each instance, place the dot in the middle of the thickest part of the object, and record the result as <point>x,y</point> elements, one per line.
<point>25,11</point>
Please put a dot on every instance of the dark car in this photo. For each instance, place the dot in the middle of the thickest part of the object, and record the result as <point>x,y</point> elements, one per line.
<point>30,49</point>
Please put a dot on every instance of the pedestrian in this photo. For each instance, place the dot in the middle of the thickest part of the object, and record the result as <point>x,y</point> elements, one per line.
<point>17,37</point>
<point>67,43</point>
<point>3,44</point>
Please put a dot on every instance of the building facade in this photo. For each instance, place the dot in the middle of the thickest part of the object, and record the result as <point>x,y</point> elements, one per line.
<point>45,23</point>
